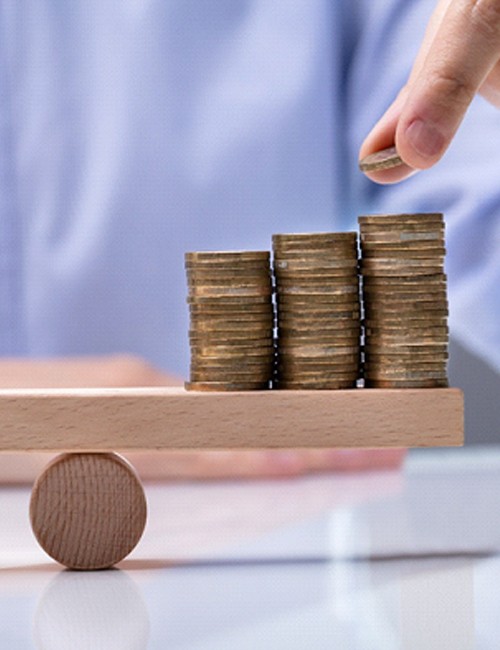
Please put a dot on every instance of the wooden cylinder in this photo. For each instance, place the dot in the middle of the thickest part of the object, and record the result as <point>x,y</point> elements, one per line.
<point>88,510</point>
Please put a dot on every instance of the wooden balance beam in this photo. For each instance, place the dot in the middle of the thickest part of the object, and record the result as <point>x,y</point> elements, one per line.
<point>88,508</point>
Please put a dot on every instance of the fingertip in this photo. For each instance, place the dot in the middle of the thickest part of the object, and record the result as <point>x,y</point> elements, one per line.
<point>391,176</point>
<point>420,143</point>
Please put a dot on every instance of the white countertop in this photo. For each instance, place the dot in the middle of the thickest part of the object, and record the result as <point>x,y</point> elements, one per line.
<point>388,560</point>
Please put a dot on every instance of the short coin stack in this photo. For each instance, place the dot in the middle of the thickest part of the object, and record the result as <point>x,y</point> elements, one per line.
<point>231,316</point>
<point>318,314</point>
<point>405,301</point>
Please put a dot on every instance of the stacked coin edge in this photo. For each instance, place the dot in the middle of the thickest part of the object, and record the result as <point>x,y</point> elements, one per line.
<point>231,320</point>
<point>404,301</point>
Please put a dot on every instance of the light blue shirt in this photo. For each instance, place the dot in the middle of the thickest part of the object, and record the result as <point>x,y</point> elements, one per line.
<point>132,131</point>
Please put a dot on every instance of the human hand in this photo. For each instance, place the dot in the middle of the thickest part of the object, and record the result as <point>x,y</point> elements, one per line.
<point>252,464</point>
<point>459,57</point>
<point>82,372</point>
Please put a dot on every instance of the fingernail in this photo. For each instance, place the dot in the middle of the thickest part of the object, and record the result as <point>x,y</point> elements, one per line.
<point>425,138</point>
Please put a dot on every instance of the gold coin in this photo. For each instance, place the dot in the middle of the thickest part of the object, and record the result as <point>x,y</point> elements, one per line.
<point>319,321</point>
<point>347,296</point>
<point>404,247</point>
<point>290,343</point>
<point>404,306</point>
<point>321,245</point>
<point>392,355</point>
<point>318,377</point>
<point>437,295</point>
<point>403,383</point>
<point>401,272</point>
<point>331,384</point>
<point>297,303</point>
<point>392,236</point>
<point>396,363</point>
<point>408,306</point>
<point>259,311</point>
<point>228,301</point>
<point>368,232</point>
<point>234,281</point>
<point>232,366</point>
<point>377,341</point>
<point>436,279</point>
<point>319,370</point>
<point>236,376</point>
<point>317,350</point>
<point>319,330</point>
<point>228,292</point>
<point>301,258</point>
<point>406,331</point>
<point>231,334</point>
<point>231,320</point>
<point>408,217</point>
<point>209,256</point>
<point>407,371</point>
<point>317,290</point>
<point>387,301</point>
<point>376,253</point>
<point>225,279</point>
<point>232,346</point>
<point>234,339</point>
<point>415,288</point>
<point>411,327</point>
<point>401,262</point>
<point>289,361</point>
<point>241,268</point>
<point>316,275</point>
<point>434,291</point>
<point>310,239</point>
<point>327,288</point>
<point>223,386</point>
<point>404,268</point>
<point>225,324</point>
<point>384,159</point>
<point>309,254</point>
<point>210,355</point>
<point>419,311</point>
<point>318,325</point>
<point>406,347</point>
<point>326,257</point>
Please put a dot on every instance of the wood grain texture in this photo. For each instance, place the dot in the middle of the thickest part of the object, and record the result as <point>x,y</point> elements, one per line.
<point>88,511</point>
<point>172,418</point>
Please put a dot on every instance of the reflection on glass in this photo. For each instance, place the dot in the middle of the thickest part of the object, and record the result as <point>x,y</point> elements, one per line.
<point>91,610</point>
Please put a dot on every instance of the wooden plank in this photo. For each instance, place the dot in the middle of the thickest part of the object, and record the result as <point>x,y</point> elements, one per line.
<point>172,418</point>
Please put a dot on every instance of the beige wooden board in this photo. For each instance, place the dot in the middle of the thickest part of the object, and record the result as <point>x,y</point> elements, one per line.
<point>173,418</point>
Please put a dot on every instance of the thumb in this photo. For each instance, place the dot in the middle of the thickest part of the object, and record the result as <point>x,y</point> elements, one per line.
<point>464,50</point>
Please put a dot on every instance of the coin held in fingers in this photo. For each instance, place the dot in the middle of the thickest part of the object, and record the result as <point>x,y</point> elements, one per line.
<point>384,159</point>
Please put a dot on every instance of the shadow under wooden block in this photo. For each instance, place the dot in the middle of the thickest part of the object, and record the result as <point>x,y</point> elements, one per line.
<point>173,418</point>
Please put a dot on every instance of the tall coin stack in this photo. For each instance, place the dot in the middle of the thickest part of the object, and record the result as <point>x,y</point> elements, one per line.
<point>318,313</point>
<point>405,301</point>
<point>231,316</point>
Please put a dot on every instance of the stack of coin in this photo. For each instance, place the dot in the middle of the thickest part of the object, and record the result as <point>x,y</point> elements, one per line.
<point>318,314</point>
<point>232,320</point>
<point>404,301</point>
